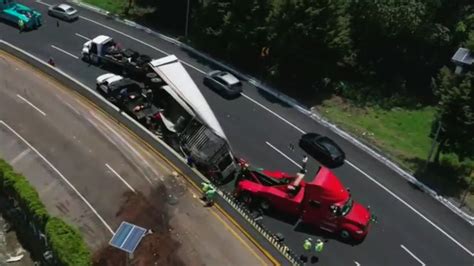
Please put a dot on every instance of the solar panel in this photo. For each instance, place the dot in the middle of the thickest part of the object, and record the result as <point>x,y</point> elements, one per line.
<point>127,237</point>
<point>463,56</point>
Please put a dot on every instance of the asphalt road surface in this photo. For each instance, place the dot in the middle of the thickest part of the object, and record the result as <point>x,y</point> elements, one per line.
<point>413,228</point>
<point>95,174</point>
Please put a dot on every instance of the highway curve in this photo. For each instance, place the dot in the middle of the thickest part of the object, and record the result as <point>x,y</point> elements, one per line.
<point>95,174</point>
<point>413,228</point>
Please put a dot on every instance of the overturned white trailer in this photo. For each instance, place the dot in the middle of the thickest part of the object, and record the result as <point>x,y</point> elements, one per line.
<point>187,113</point>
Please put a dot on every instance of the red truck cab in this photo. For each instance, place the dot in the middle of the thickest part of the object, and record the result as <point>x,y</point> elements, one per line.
<point>322,202</point>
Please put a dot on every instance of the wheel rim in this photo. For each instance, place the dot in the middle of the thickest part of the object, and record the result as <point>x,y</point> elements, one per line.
<point>345,234</point>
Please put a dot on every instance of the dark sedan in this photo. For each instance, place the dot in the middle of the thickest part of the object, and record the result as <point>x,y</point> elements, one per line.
<point>323,149</point>
<point>224,83</point>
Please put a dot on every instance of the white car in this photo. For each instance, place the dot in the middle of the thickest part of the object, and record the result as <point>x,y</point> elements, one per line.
<point>223,82</point>
<point>63,11</point>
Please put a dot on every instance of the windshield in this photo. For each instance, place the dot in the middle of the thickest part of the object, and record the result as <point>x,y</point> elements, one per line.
<point>334,151</point>
<point>346,208</point>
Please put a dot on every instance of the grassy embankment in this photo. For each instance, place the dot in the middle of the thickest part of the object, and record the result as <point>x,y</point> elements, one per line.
<point>401,134</point>
<point>114,6</point>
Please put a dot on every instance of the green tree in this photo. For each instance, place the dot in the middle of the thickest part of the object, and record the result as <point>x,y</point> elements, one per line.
<point>397,43</point>
<point>455,112</point>
<point>310,40</point>
<point>233,29</point>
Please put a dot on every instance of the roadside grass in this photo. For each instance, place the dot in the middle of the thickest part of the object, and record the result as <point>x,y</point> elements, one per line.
<point>401,134</point>
<point>114,6</point>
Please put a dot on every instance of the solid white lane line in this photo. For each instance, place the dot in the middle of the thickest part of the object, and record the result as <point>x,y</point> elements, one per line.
<point>357,264</point>
<point>411,208</point>
<point>126,35</point>
<point>20,156</point>
<point>283,154</point>
<point>289,123</point>
<point>60,175</point>
<point>40,2</point>
<point>121,178</point>
<point>275,114</point>
<point>82,36</point>
<point>32,105</point>
<point>66,52</point>
<point>413,255</point>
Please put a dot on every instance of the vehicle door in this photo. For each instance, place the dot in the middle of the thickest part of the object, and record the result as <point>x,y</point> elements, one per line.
<point>93,52</point>
<point>59,12</point>
<point>317,211</point>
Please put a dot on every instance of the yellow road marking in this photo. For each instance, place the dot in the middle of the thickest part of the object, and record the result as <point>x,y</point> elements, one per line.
<point>238,237</point>
<point>154,151</point>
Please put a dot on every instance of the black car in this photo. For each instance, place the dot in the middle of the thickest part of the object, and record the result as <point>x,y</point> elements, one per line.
<point>323,149</point>
<point>224,83</point>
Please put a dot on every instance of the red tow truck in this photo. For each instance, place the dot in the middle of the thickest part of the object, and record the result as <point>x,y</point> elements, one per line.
<point>322,202</point>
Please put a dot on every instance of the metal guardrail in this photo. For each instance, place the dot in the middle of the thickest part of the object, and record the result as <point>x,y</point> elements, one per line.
<point>267,234</point>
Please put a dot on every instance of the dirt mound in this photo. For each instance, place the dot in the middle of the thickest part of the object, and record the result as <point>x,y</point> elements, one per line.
<point>158,248</point>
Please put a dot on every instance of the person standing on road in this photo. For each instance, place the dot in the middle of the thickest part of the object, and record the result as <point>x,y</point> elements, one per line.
<point>319,246</point>
<point>21,25</point>
<point>304,162</point>
<point>208,193</point>
<point>307,245</point>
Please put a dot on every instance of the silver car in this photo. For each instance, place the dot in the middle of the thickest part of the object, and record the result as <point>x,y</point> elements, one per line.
<point>224,83</point>
<point>63,11</point>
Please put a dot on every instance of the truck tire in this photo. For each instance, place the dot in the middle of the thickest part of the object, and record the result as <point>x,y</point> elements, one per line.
<point>245,197</point>
<point>86,58</point>
<point>344,235</point>
<point>264,205</point>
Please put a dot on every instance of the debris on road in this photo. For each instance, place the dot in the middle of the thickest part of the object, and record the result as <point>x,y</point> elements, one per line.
<point>158,247</point>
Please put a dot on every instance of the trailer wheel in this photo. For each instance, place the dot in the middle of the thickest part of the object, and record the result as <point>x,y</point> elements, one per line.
<point>345,235</point>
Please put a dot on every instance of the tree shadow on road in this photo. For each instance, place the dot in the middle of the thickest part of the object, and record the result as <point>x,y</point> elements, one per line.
<point>445,180</point>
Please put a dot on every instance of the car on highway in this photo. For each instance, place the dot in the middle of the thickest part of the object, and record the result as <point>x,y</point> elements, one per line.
<point>16,13</point>
<point>64,12</point>
<point>322,149</point>
<point>223,83</point>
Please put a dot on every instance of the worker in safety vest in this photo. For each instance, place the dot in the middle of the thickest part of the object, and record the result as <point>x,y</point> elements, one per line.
<point>307,245</point>
<point>319,246</point>
<point>21,25</point>
<point>208,193</point>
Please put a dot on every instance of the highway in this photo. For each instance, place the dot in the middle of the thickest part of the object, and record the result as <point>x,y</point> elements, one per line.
<point>94,173</point>
<point>413,228</point>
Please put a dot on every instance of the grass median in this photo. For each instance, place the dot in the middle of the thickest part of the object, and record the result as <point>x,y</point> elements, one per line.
<point>403,135</point>
<point>114,6</point>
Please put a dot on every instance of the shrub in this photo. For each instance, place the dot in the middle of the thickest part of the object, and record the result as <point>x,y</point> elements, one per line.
<point>65,241</point>
<point>67,244</point>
